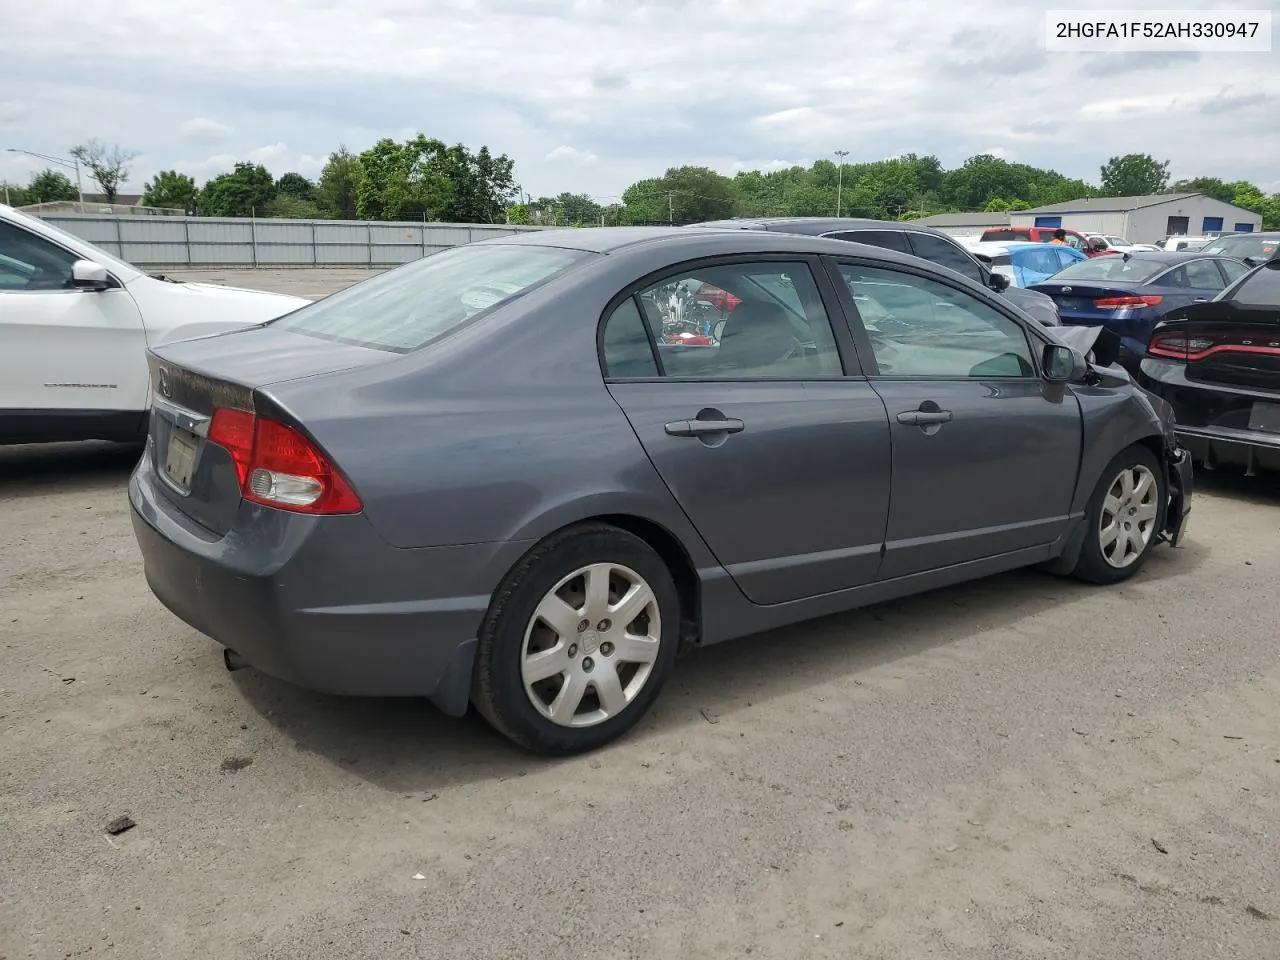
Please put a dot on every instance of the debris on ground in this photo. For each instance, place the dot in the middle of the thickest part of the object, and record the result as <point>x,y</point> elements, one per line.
<point>57,674</point>
<point>418,876</point>
<point>234,764</point>
<point>708,716</point>
<point>1158,845</point>
<point>1257,914</point>
<point>120,824</point>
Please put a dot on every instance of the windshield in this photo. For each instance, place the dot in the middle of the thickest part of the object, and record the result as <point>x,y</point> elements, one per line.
<point>1245,246</point>
<point>100,256</point>
<point>406,308</point>
<point>1112,269</point>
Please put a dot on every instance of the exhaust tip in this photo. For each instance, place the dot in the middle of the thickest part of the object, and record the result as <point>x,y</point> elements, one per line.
<point>233,660</point>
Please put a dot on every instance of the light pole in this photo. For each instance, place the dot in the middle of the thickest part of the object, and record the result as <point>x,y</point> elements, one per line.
<point>840,155</point>
<point>73,163</point>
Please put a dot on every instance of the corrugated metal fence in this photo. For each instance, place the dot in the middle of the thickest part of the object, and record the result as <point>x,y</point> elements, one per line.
<point>231,241</point>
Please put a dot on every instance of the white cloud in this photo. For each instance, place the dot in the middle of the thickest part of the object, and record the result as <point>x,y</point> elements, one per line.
<point>567,154</point>
<point>273,156</point>
<point>202,130</point>
<point>646,85</point>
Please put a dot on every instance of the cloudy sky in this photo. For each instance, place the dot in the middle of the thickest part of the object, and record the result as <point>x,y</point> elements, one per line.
<point>590,95</point>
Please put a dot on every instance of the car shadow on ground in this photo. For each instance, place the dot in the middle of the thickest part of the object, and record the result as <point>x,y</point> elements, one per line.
<point>30,470</point>
<point>1263,489</point>
<point>407,746</point>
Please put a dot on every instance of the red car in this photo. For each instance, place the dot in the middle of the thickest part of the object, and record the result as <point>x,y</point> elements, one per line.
<point>1045,235</point>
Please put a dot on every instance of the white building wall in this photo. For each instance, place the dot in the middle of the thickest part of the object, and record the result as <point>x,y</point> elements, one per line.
<point>1149,224</point>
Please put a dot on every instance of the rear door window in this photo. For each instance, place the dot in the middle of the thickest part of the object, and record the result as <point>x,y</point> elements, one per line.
<point>771,324</point>
<point>889,239</point>
<point>1204,275</point>
<point>946,254</point>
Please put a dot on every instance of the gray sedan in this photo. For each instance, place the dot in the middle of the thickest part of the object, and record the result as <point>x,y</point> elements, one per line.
<point>521,474</point>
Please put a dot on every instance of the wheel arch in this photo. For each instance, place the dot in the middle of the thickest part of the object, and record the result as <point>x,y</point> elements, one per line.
<point>658,536</point>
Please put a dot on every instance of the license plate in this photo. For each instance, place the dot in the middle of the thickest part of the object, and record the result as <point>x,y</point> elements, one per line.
<point>1266,417</point>
<point>180,460</point>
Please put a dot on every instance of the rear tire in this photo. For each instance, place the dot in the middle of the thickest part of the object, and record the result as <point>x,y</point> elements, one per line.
<point>554,673</point>
<point>1124,518</point>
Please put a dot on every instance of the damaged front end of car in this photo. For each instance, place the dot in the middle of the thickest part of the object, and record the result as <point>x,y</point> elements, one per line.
<point>1101,349</point>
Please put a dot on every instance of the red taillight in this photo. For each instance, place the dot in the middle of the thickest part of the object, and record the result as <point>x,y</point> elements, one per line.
<point>278,467</point>
<point>1191,347</point>
<point>1178,346</point>
<point>1114,303</point>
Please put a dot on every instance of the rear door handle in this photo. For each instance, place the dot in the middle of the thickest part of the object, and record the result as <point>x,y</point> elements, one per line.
<point>922,418</point>
<point>700,428</point>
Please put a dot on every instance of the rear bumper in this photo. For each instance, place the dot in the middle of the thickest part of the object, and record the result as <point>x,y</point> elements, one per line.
<point>1213,421</point>
<point>323,602</point>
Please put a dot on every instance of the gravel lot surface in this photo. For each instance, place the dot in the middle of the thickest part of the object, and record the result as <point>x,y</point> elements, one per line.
<point>1023,767</point>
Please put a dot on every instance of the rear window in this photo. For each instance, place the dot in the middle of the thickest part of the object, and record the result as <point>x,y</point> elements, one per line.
<point>994,235</point>
<point>1112,269</point>
<point>1241,247</point>
<point>408,307</point>
<point>1260,289</point>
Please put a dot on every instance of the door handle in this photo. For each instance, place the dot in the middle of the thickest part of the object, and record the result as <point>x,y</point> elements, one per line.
<point>700,428</point>
<point>922,418</point>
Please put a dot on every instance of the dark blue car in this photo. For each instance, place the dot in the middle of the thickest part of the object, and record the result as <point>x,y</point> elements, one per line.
<point>1129,294</point>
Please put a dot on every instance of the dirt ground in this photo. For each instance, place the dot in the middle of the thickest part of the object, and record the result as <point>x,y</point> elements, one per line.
<point>1023,767</point>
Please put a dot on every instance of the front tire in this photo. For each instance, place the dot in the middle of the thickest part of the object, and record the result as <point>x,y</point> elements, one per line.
<point>1124,517</point>
<point>579,639</point>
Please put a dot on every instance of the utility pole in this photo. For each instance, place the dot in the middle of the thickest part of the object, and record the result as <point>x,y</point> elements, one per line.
<point>840,155</point>
<point>671,209</point>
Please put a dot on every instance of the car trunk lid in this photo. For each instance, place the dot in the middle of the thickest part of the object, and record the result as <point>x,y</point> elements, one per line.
<point>1224,342</point>
<point>1099,299</point>
<point>193,379</point>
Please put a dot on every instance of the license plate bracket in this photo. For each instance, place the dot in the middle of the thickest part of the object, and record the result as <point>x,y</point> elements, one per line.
<point>1265,417</point>
<point>180,457</point>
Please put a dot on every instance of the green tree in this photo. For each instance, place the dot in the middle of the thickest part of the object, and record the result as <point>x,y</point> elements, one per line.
<point>425,178</point>
<point>1134,174</point>
<point>681,195</point>
<point>169,188</point>
<point>293,208</point>
<point>403,181</point>
<point>13,194</point>
<point>336,191</point>
<point>1209,186</point>
<point>248,190</point>
<point>295,185</point>
<point>576,209</point>
<point>518,213</point>
<point>50,186</point>
<point>107,165</point>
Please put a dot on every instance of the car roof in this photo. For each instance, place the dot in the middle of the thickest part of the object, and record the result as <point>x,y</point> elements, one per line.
<point>815,226</point>
<point>691,242</point>
<point>1173,256</point>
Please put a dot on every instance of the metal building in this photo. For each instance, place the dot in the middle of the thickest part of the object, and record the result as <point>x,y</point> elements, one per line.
<point>964,224</point>
<point>1143,219</point>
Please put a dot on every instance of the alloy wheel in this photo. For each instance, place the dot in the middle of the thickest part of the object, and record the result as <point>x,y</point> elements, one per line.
<point>1129,513</point>
<point>591,645</point>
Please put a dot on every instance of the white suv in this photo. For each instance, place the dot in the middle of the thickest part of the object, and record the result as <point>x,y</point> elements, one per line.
<point>75,323</point>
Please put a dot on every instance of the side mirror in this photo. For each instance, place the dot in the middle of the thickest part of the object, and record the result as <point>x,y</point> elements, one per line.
<point>998,282</point>
<point>1062,364</point>
<point>87,275</point>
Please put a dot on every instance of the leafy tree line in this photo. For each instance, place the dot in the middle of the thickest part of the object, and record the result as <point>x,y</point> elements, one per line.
<point>425,179</point>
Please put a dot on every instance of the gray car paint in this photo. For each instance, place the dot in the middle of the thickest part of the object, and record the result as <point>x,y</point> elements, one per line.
<point>467,453</point>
